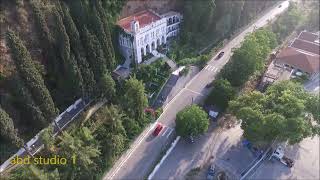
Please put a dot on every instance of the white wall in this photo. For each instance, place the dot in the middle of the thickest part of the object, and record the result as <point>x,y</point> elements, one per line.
<point>149,35</point>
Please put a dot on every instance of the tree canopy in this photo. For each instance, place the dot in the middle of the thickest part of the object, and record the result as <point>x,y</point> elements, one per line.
<point>107,86</point>
<point>83,147</point>
<point>192,121</point>
<point>278,113</point>
<point>134,99</point>
<point>250,57</point>
<point>31,77</point>
<point>221,94</point>
<point>7,129</point>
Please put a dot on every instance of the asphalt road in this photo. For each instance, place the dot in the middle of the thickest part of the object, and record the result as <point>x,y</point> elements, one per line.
<point>139,160</point>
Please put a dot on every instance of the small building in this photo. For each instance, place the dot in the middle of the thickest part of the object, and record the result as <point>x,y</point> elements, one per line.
<point>301,55</point>
<point>143,32</point>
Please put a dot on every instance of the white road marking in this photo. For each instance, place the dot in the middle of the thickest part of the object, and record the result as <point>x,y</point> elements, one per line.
<point>194,92</point>
<point>167,128</point>
<point>211,68</point>
<point>164,158</point>
<point>171,130</point>
<point>131,151</point>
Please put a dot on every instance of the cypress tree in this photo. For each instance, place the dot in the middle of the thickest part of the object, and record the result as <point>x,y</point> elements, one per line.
<point>98,28</point>
<point>78,51</point>
<point>94,55</point>
<point>31,77</point>
<point>7,129</point>
<point>27,105</point>
<point>70,74</point>
<point>104,19</point>
<point>46,39</point>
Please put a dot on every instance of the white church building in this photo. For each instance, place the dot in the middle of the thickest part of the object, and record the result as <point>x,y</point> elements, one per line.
<point>143,32</point>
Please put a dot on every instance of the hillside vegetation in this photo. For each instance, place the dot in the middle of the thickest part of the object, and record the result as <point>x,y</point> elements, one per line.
<point>52,53</point>
<point>211,21</point>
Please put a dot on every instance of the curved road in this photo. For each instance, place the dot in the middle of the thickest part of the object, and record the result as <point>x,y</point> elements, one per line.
<point>139,160</point>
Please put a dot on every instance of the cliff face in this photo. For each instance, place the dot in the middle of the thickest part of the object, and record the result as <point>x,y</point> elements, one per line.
<point>160,6</point>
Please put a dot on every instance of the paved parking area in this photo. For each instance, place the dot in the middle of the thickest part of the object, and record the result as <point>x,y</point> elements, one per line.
<point>306,163</point>
<point>221,147</point>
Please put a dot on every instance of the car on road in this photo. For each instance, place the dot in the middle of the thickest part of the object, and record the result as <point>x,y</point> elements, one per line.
<point>220,55</point>
<point>211,171</point>
<point>158,129</point>
<point>280,6</point>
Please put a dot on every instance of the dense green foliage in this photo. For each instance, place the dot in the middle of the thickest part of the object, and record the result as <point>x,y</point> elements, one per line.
<point>287,22</point>
<point>192,121</point>
<point>7,129</point>
<point>278,113</point>
<point>69,76</point>
<point>78,51</point>
<point>134,99</point>
<point>72,57</point>
<point>207,22</point>
<point>250,57</point>
<point>111,133</point>
<point>221,94</point>
<point>153,76</point>
<point>94,55</point>
<point>107,87</point>
<point>46,137</point>
<point>199,61</point>
<point>31,77</point>
<point>26,104</point>
<point>82,146</point>
<point>32,172</point>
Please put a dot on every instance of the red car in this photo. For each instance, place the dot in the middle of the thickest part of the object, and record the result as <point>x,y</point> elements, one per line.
<point>157,130</point>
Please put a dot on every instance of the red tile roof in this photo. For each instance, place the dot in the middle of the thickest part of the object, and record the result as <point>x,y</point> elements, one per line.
<point>297,59</point>
<point>306,46</point>
<point>144,18</point>
<point>308,36</point>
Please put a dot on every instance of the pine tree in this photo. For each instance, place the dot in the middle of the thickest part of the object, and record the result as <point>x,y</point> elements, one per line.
<point>7,129</point>
<point>31,77</point>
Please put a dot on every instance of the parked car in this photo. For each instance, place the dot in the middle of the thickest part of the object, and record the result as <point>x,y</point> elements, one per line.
<point>211,171</point>
<point>158,129</point>
<point>220,55</point>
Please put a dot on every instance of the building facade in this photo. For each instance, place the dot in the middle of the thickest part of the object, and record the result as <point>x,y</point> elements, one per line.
<point>143,32</point>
